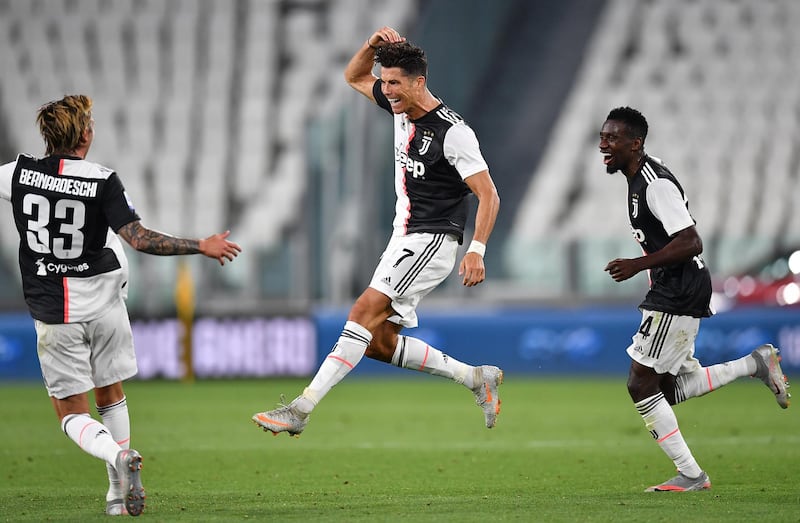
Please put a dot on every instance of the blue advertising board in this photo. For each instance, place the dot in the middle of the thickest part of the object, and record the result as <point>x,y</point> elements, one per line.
<point>18,359</point>
<point>222,347</point>
<point>576,341</point>
<point>528,341</point>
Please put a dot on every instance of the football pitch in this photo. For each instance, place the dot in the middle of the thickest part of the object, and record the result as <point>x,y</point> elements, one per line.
<point>409,449</point>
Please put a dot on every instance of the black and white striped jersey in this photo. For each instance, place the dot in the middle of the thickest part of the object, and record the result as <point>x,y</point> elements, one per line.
<point>66,211</point>
<point>658,209</point>
<point>433,155</point>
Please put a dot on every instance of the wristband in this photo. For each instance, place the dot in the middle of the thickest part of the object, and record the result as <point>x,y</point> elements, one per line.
<point>477,247</point>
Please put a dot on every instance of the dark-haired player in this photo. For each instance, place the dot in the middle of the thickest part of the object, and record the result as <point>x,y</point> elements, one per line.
<point>438,163</point>
<point>664,371</point>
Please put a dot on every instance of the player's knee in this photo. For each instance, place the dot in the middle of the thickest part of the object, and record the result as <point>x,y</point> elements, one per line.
<point>641,387</point>
<point>359,312</point>
<point>379,350</point>
<point>667,386</point>
<point>383,344</point>
<point>633,388</point>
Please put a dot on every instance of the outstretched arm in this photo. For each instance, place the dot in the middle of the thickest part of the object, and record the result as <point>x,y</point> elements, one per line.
<point>472,267</point>
<point>153,242</point>
<point>358,72</point>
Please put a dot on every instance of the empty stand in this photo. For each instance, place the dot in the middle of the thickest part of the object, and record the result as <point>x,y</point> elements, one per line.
<point>201,106</point>
<point>713,80</point>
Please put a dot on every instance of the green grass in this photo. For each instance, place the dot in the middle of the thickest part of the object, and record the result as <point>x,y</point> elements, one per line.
<point>409,450</point>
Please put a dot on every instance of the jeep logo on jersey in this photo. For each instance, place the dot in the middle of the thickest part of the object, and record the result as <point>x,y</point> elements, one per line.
<point>638,235</point>
<point>409,165</point>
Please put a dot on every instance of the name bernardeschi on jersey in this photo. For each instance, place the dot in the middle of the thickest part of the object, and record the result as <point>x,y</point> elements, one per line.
<point>62,185</point>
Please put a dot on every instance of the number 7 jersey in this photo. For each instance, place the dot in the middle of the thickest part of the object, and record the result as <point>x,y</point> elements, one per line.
<point>66,211</point>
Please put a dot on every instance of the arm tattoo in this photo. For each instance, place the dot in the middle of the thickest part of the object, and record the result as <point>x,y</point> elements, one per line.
<point>153,242</point>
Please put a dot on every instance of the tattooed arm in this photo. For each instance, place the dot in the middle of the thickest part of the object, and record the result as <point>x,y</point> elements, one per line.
<point>153,242</point>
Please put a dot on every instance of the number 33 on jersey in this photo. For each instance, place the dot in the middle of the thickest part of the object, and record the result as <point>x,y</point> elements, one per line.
<point>65,210</point>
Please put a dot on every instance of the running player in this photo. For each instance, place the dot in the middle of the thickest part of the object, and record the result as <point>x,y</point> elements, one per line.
<point>438,163</point>
<point>664,371</point>
<point>75,280</point>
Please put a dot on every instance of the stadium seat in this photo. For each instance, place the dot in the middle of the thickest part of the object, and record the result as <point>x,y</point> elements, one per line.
<point>711,78</point>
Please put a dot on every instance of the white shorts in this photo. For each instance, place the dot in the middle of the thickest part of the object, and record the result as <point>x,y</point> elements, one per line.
<point>411,266</point>
<point>77,357</point>
<point>665,343</point>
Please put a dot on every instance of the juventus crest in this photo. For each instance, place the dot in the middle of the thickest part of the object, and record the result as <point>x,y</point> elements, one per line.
<point>427,139</point>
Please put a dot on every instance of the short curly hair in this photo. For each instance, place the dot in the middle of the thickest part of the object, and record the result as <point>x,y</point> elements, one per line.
<point>62,122</point>
<point>408,57</point>
<point>633,119</point>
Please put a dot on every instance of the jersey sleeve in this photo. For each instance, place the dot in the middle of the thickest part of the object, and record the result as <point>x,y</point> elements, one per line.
<point>667,204</point>
<point>6,175</point>
<point>380,98</point>
<point>117,206</point>
<point>462,150</point>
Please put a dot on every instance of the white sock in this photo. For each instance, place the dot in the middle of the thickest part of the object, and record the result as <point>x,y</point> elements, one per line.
<point>707,379</point>
<point>660,420</point>
<point>415,354</point>
<point>91,436</point>
<point>116,418</point>
<point>345,355</point>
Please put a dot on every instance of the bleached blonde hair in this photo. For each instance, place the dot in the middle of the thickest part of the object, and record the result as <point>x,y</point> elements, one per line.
<point>62,122</point>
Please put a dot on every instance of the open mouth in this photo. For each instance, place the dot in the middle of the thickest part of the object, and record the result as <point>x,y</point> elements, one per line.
<point>607,158</point>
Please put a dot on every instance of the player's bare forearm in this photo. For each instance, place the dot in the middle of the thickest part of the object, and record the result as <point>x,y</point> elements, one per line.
<point>358,72</point>
<point>153,242</point>
<point>684,246</point>
<point>472,267</point>
<point>216,246</point>
<point>485,218</point>
<point>483,187</point>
